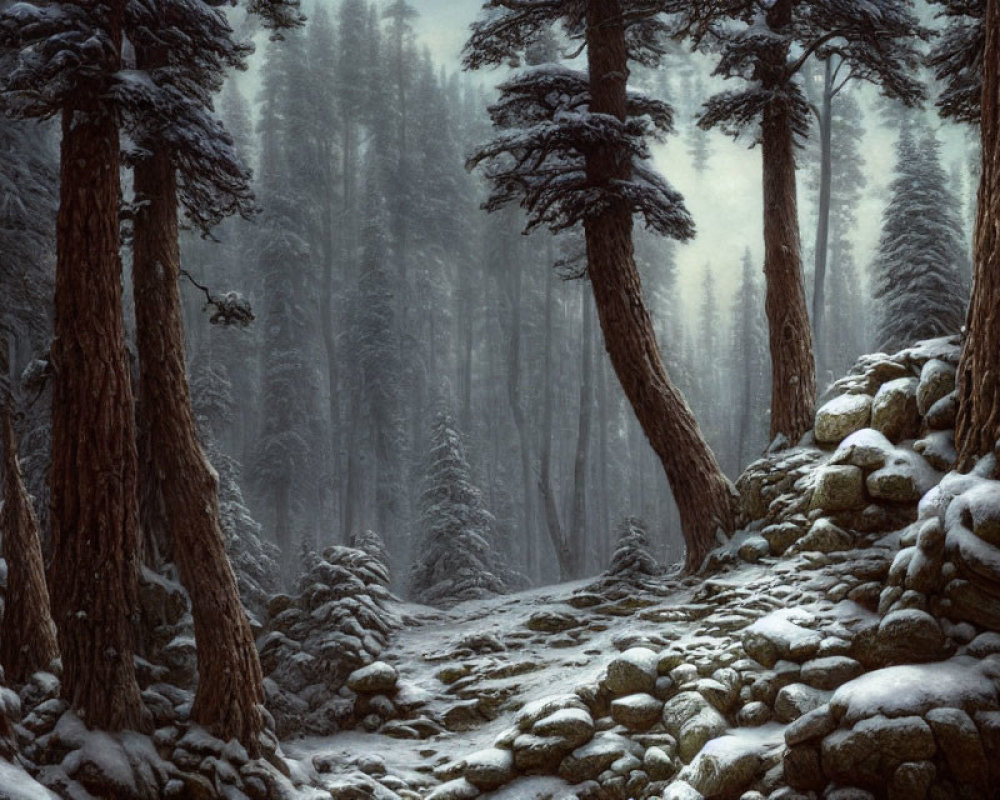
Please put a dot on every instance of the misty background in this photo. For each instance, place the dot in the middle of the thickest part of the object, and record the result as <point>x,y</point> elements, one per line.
<point>423,304</point>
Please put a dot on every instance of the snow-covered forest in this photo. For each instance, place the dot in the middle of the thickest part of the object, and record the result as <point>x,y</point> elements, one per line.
<point>499,398</point>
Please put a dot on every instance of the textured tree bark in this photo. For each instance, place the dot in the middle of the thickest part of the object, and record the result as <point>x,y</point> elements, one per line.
<point>230,691</point>
<point>93,474</point>
<point>793,370</point>
<point>825,118</point>
<point>978,425</point>
<point>703,494</point>
<point>27,633</point>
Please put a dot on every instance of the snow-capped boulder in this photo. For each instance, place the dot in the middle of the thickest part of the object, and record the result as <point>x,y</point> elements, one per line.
<point>637,712</point>
<point>377,678</point>
<point>633,671</point>
<point>937,380</point>
<point>839,488</point>
<point>842,416</point>
<point>894,410</point>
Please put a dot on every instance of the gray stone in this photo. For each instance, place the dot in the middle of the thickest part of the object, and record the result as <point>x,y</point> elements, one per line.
<point>490,768</point>
<point>825,537</point>
<point>909,636</point>
<point>796,699</point>
<point>866,449</point>
<point>775,637</point>
<point>633,671</point>
<point>811,726</point>
<point>754,714</point>
<point>841,417</point>
<point>721,695</point>
<point>539,754</point>
<point>937,380</point>
<point>682,790</point>
<point>895,483</point>
<point>838,488</point>
<point>941,416</point>
<point>538,709</point>
<point>912,780</point>
<point>959,740</point>
<point>692,720</point>
<point>894,410</point>
<point>830,672</point>
<point>753,549</point>
<point>552,622</point>
<point>723,768</point>
<point>572,725</point>
<point>377,678</point>
<point>938,449</point>
<point>802,768</point>
<point>782,536</point>
<point>872,750</point>
<point>590,760</point>
<point>705,725</point>
<point>658,764</point>
<point>637,712</point>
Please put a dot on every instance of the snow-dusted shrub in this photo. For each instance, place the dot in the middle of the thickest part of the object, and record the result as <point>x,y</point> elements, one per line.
<point>340,619</point>
<point>632,557</point>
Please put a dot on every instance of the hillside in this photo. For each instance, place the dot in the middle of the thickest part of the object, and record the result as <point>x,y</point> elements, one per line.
<point>845,644</point>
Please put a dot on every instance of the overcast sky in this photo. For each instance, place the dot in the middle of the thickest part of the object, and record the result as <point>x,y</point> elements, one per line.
<point>725,200</point>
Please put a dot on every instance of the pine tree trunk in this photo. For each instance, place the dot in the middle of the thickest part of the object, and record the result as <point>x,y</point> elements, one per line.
<point>27,634</point>
<point>230,684</point>
<point>575,556</point>
<point>604,456</point>
<point>823,222</point>
<point>93,576</point>
<point>977,430</point>
<point>703,494</point>
<point>545,487</point>
<point>330,341</point>
<point>512,264</point>
<point>793,371</point>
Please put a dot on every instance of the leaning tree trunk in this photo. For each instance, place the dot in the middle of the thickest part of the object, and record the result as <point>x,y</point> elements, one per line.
<point>230,685</point>
<point>978,426</point>
<point>93,577</point>
<point>793,370</point>
<point>27,634</point>
<point>825,118</point>
<point>704,495</point>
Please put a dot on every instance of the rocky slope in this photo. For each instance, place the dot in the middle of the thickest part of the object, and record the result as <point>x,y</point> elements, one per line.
<point>844,644</point>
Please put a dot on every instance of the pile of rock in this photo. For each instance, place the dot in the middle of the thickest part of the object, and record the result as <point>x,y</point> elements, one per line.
<point>913,731</point>
<point>338,623</point>
<point>878,446</point>
<point>950,561</point>
<point>176,762</point>
<point>168,654</point>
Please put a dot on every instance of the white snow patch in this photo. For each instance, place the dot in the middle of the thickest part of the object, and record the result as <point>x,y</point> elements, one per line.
<point>913,689</point>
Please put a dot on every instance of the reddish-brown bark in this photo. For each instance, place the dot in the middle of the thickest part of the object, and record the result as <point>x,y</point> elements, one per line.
<point>93,478</point>
<point>793,368</point>
<point>181,483</point>
<point>978,426</point>
<point>27,634</point>
<point>703,494</point>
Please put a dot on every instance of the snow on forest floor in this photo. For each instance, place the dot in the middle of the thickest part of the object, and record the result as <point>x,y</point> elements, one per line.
<point>503,653</point>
